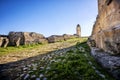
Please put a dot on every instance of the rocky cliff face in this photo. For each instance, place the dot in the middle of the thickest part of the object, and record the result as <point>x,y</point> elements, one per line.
<point>106,30</point>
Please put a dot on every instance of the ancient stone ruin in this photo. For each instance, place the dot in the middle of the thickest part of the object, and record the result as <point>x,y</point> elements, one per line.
<point>23,38</point>
<point>68,36</point>
<point>4,41</point>
<point>106,30</point>
<point>57,38</point>
<point>78,31</point>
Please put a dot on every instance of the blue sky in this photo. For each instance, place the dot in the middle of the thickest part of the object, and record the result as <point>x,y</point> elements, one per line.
<point>47,17</point>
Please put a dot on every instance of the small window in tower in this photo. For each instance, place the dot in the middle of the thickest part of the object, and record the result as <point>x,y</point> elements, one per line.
<point>108,2</point>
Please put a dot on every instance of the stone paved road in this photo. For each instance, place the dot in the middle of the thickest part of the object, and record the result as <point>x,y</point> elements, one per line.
<point>11,64</point>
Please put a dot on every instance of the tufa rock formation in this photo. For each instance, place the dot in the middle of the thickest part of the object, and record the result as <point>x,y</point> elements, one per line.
<point>4,41</point>
<point>33,37</point>
<point>106,30</point>
<point>58,38</point>
<point>16,38</point>
<point>1,41</point>
<point>67,36</point>
<point>23,38</point>
<point>105,38</point>
<point>55,38</point>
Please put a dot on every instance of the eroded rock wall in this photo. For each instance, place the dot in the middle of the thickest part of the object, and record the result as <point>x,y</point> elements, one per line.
<point>32,37</point>
<point>58,38</point>
<point>4,41</point>
<point>23,38</point>
<point>55,38</point>
<point>16,38</point>
<point>106,30</point>
<point>68,36</point>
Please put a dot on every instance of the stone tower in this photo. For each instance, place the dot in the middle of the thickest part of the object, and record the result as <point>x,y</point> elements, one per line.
<point>78,31</point>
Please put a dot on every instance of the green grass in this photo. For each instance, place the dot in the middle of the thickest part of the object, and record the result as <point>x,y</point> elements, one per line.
<point>72,65</point>
<point>12,49</point>
<point>77,39</point>
<point>94,63</point>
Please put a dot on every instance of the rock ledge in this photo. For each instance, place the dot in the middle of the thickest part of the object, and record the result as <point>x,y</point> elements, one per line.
<point>109,62</point>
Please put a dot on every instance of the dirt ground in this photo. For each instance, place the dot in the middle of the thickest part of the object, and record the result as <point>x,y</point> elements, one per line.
<point>11,64</point>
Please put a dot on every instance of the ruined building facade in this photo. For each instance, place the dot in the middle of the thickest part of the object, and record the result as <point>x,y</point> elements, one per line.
<point>106,30</point>
<point>78,30</point>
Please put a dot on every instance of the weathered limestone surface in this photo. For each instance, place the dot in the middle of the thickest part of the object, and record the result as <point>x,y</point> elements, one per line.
<point>67,36</point>
<point>109,62</point>
<point>33,37</point>
<point>106,30</point>
<point>21,38</point>
<point>55,38</point>
<point>4,41</point>
<point>14,38</point>
<point>1,40</point>
<point>17,43</point>
<point>105,38</point>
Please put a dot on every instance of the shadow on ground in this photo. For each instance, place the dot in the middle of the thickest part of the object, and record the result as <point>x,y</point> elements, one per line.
<point>11,70</point>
